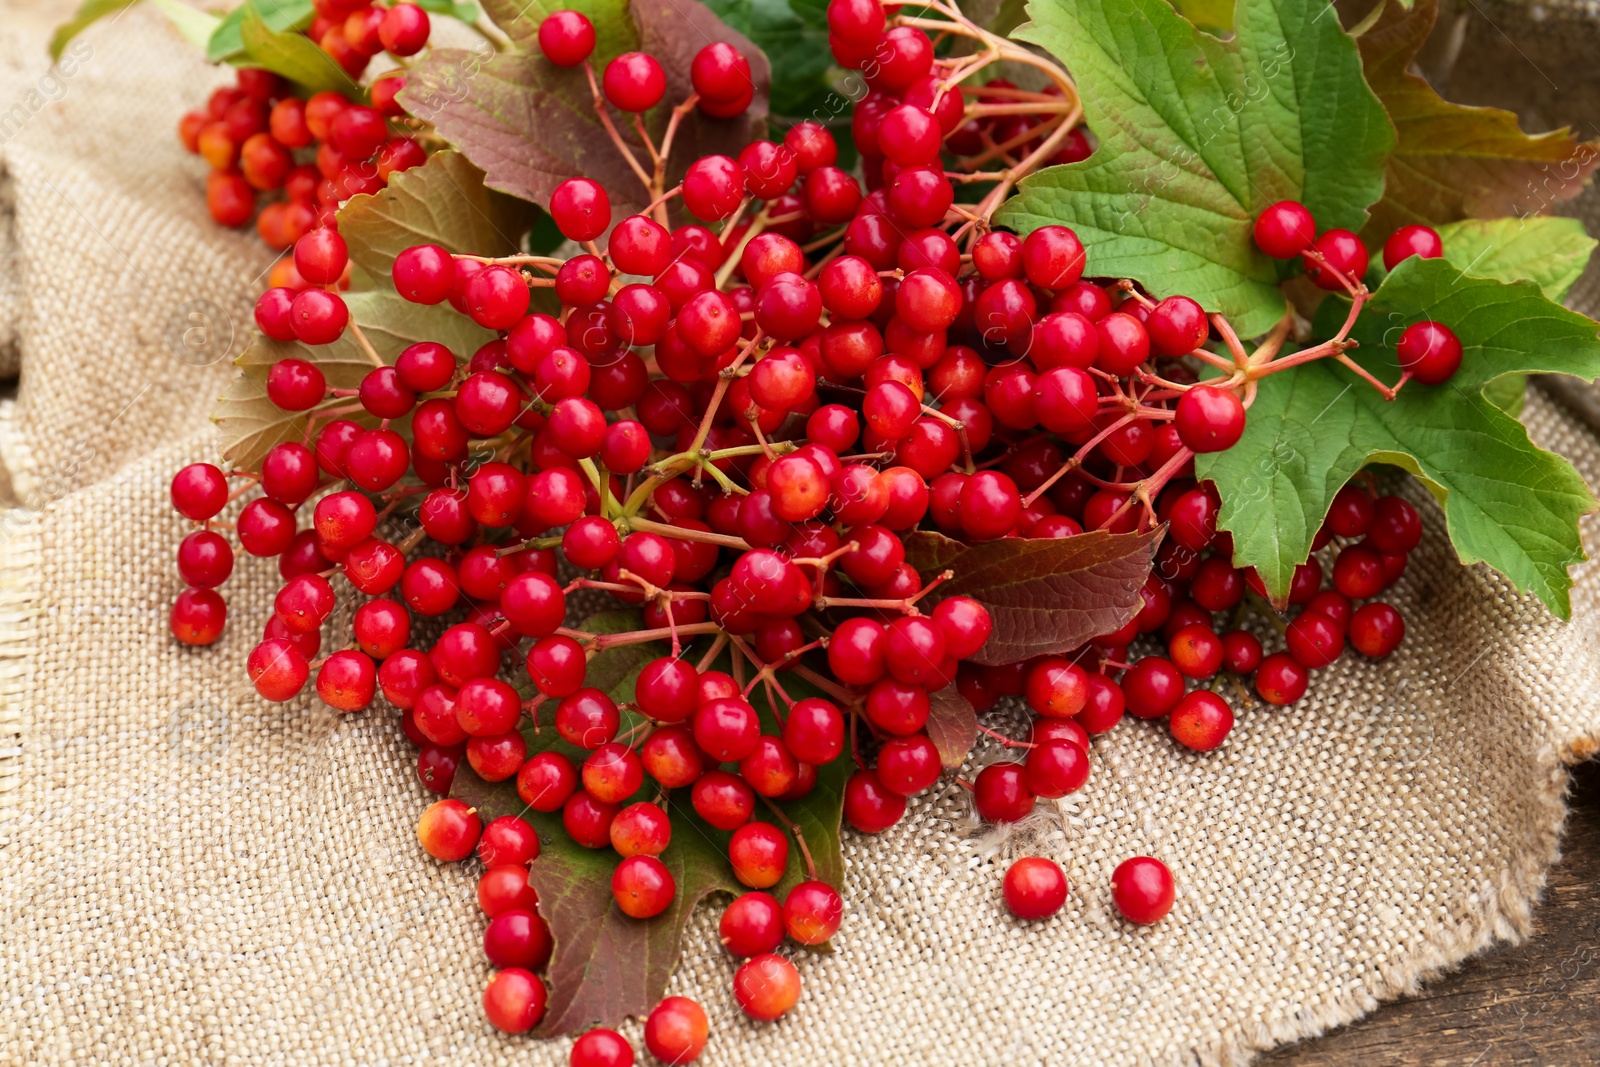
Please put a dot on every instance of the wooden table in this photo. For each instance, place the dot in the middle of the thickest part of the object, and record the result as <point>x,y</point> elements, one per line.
<point>1534,1003</point>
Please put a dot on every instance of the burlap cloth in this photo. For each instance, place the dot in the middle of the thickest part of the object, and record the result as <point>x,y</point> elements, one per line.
<point>190,875</point>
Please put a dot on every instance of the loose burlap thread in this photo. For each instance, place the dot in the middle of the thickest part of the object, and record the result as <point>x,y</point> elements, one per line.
<point>191,875</point>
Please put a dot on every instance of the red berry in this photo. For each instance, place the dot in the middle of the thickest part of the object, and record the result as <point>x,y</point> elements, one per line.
<point>1350,513</point>
<point>1152,687</point>
<point>634,82</point>
<point>198,617</point>
<point>320,256</point>
<point>751,925</point>
<point>643,886</point>
<point>1344,253</point>
<point>1196,650</point>
<point>1142,889</point>
<point>1396,527</point>
<point>1001,793</point>
<point>1285,229</point>
<point>1056,687</point>
<point>504,888</point>
<point>517,938</point>
<point>1177,326</point>
<point>676,1031</point>
<point>566,38</point>
<point>868,806</point>
<point>449,830</point>
<point>1408,241</point>
<point>1052,257</point>
<point>719,73</point>
<point>1056,768</point>
<point>1241,651</point>
<point>758,853</point>
<point>766,986</point>
<point>1034,888</point>
<point>514,1000</point>
<point>1429,351</point>
<point>404,29</point>
<point>1210,419</point>
<point>1315,640</point>
<point>425,274</point>
<point>1281,680</point>
<point>601,1048</point>
<point>812,912</point>
<point>199,491</point>
<point>1201,720</point>
<point>1376,629</point>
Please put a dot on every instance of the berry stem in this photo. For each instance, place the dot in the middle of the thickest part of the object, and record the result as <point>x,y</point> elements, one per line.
<point>679,533</point>
<point>611,129</point>
<point>717,645</point>
<point>799,838</point>
<point>1003,739</point>
<point>366,347</point>
<point>601,642</point>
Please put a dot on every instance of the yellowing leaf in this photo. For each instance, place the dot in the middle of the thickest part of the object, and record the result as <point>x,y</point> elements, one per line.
<point>1452,161</point>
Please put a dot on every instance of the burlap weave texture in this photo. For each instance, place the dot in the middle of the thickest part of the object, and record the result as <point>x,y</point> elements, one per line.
<point>190,875</point>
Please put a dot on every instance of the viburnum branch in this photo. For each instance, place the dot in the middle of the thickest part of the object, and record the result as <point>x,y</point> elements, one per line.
<point>601,642</point>
<point>611,129</point>
<point>799,837</point>
<point>366,347</point>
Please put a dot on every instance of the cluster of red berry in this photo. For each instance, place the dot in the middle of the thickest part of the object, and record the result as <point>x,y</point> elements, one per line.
<point>262,141</point>
<point>734,429</point>
<point>1428,351</point>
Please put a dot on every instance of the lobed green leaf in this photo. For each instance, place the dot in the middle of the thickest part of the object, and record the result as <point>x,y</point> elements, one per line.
<point>1506,502</point>
<point>1197,135</point>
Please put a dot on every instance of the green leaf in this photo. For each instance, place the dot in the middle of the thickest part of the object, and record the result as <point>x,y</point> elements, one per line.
<point>251,424</point>
<point>794,35</point>
<point>461,12</point>
<point>442,202</point>
<point>1046,596</point>
<point>1451,161</point>
<point>227,40</point>
<point>614,29</point>
<point>1198,135</point>
<point>292,55</point>
<point>195,25</point>
<point>1506,502</point>
<point>1508,393</point>
<point>1550,252</point>
<point>615,670</point>
<point>88,13</point>
<point>1214,16</point>
<point>530,125</point>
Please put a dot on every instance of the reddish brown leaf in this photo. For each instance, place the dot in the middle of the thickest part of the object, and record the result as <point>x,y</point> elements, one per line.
<point>1451,161</point>
<point>530,125</point>
<point>1046,596</point>
<point>952,725</point>
<point>442,202</point>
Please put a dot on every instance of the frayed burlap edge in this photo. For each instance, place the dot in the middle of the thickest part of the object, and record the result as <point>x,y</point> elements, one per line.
<point>19,607</point>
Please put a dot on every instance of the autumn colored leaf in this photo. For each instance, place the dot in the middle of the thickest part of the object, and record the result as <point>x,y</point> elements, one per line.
<point>1046,596</point>
<point>605,965</point>
<point>442,202</point>
<point>952,725</point>
<point>531,125</point>
<point>1452,161</point>
<point>251,424</point>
